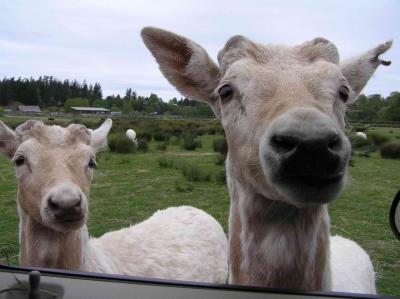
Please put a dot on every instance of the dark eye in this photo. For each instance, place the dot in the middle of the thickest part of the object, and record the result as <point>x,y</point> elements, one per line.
<point>344,93</point>
<point>19,161</point>
<point>92,163</point>
<point>225,92</point>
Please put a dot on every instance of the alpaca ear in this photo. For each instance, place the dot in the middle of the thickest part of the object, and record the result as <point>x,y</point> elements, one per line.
<point>99,136</point>
<point>79,132</point>
<point>358,70</point>
<point>8,140</point>
<point>185,64</point>
<point>318,48</point>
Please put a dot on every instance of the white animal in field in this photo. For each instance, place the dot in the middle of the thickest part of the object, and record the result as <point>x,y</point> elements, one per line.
<point>361,135</point>
<point>54,168</point>
<point>351,267</point>
<point>283,111</point>
<point>131,134</point>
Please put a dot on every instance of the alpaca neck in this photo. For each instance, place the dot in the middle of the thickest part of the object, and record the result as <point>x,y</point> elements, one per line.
<point>273,244</point>
<point>41,246</point>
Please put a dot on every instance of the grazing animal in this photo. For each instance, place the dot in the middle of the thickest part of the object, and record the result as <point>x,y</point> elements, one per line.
<point>361,135</point>
<point>54,168</point>
<point>283,110</point>
<point>131,135</point>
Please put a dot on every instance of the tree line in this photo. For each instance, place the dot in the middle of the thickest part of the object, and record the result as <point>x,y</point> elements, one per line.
<point>46,91</point>
<point>375,109</point>
<point>52,94</point>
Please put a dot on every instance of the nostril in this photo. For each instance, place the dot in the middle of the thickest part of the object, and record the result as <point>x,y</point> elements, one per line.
<point>53,205</point>
<point>78,202</point>
<point>334,142</point>
<point>284,143</point>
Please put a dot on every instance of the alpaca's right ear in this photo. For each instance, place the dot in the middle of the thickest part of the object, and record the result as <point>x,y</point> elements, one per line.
<point>8,141</point>
<point>358,70</point>
<point>185,64</point>
<point>99,136</point>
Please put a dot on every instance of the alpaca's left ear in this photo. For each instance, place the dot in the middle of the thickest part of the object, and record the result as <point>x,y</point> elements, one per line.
<point>8,140</point>
<point>185,64</point>
<point>99,136</point>
<point>358,70</point>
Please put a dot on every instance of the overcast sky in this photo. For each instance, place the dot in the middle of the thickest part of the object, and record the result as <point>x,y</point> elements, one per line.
<point>100,40</point>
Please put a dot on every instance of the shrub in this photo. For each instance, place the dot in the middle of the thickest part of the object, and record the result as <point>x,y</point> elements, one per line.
<point>177,132</point>
<point>161,136</point>
<point>142,145</point>
<point>189,133</point>
<point>211,131</point>
<point>358,142</point>
<point>195,174</point>
<point>190,143</point>
<point>120,144</point>
<point>162,146</point>
<point>378,139</point>
<point>391,150</point>
<point>220,146</point>
<point>144,135</point>
<point>175,140</point>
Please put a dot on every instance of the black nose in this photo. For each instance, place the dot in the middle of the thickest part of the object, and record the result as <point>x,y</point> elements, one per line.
<point>308,156</point>
<point>65,209</point>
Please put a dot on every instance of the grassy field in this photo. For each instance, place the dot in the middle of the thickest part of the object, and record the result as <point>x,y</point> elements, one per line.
<point>393,133</point>
<point>128,188</point>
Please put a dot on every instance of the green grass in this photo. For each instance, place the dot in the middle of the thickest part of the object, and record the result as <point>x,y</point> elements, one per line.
<point>361,213</point>
<point>392,133</point>
<point>127,188</point>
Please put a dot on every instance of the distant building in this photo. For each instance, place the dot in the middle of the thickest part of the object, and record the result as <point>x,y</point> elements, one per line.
<point>29,109</point>
<point>90,110</point>
<point>116,113</point>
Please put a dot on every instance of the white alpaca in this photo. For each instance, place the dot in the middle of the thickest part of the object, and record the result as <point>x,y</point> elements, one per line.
<point>131,135</point>
<point>351,267</point>
<point>361,135</point>
<point>54,168</point>
<point>283,110</point>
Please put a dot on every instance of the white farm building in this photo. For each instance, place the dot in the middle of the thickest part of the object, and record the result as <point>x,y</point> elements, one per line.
<point>90,110</point>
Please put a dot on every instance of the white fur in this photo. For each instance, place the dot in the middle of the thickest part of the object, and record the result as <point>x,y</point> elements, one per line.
<point>99,136</point>
<point>352,269</point>
<point>177,243</point>
<point>280,76</point>
<point>361,135</point>
<point>131,134</point>
<point>181,243</point>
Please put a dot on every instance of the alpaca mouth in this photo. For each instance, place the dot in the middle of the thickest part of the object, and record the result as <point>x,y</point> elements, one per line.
<point>316,180</point>
<point>72,220</point>
<point>311,189</point>
<point>67,224</point>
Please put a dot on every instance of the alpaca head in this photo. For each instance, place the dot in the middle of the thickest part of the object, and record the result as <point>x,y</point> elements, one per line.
<point>282,108</point>
<point>54,169</point>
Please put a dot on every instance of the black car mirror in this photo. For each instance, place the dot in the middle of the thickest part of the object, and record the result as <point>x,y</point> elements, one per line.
<point>394,216</point>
